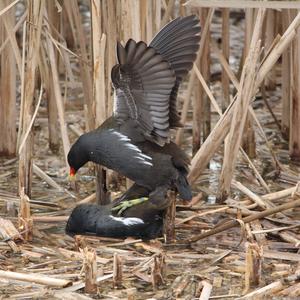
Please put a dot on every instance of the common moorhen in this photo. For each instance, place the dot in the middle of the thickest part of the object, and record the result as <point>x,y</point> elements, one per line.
<point>135,141</point>
<point>140,219</point>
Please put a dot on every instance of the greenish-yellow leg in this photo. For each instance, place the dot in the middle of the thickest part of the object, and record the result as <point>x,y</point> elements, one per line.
<point>128,203</point>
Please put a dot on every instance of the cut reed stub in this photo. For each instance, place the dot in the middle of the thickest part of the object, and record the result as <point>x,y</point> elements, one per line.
<point>90,270</point>
<point>169,219</point>
<point>158,270</point>
<point>253,266</point>
<point>117,271</point>
<point>25,221</point>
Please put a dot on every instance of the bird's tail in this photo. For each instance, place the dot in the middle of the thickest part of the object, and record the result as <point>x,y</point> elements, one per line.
<point>183,187</point>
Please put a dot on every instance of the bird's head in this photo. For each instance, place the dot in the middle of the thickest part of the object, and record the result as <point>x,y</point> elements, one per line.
<point>78,156</point>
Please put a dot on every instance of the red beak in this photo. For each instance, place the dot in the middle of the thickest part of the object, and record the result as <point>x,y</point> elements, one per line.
<point>72,172</point>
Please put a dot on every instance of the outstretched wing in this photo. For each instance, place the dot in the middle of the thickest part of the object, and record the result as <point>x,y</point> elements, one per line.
<point>178,43</point>
<point>143,82</point>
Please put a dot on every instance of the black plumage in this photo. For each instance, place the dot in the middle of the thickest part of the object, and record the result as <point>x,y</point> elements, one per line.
<point>92,219</point>
<point>135,141</point>
<point>144,220</point>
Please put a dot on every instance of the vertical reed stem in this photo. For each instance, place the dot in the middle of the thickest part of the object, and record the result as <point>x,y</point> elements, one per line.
<point>248,142</point>
<point>225,50</point>
<point>286,80</point>
<point>295,105</point>
<point>34,19</point>
<point>7,90</point>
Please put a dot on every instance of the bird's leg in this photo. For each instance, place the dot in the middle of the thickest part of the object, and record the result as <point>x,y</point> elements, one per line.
<point>134,192</point>
<point>128,203</point>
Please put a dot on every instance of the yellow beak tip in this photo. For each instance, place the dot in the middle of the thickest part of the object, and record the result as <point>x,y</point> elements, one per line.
<point>72,177</point>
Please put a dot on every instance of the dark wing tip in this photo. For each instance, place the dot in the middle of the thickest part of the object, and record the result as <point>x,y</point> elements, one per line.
<point>121,53</point>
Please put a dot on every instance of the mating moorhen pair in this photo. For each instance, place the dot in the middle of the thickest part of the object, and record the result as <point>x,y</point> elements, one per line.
<point>135,141</point>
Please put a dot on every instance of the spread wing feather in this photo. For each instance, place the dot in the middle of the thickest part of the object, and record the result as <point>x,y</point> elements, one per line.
<point>147,78</point>
<point>143,81</point>
<point>178,43</point>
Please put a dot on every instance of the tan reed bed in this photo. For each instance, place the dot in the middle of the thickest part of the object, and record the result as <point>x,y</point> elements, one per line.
<point>56,58</point>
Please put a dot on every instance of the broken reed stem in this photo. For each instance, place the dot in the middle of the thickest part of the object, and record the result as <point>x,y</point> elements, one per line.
<point>254,216</point>
<point>238,185</point>
<point>40,173</point>
<point>280,194</point>
<point>206,290</point>
<point>9,234</point>
<point>35,278</point>
<point>158,271</point>
<point>253,266</point>
<point>90,270</point>
<point>220,131</point>
<point>264,291</point>
<point>50,219</point>
<point>24,218</point>
<point>117,271</point>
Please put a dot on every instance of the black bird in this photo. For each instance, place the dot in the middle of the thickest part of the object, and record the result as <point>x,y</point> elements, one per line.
<point>141,219</point>
<point>135,141</point>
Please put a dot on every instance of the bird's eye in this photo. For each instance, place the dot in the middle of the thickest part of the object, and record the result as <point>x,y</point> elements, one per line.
<point>92,153</point>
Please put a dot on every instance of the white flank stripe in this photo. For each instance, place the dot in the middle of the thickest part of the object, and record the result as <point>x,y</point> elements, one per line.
<point>123,138</point>
<point>128,221</point>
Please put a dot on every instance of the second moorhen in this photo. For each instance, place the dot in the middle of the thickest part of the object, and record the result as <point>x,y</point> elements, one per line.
<point>140,219</point>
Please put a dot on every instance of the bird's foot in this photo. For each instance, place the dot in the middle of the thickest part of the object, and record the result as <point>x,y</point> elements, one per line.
<point>128,203</point>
